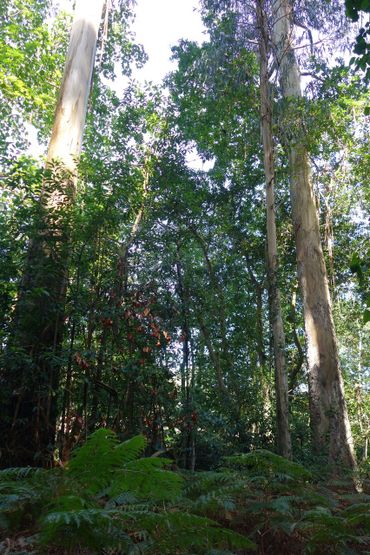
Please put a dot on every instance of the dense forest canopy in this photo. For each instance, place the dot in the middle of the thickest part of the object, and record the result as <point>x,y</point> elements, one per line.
<point>215,320</point>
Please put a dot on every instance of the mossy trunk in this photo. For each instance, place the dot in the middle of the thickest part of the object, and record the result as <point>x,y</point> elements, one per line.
<point>32,371</point>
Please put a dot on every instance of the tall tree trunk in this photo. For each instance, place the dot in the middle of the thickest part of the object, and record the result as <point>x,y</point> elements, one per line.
<point>262,358</point>
<point>328,411</point>
<point>284,443</point>
<point>299,358</point>
<point>27,429</point>
<point>329,233</point>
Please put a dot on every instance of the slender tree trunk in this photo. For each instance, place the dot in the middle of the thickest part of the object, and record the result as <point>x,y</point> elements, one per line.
<point>298,360</point>
<point>329,233</point>
<point>28,425</point>
<point>69,122</point>
<point>284,443</point>
<point>215,358</point>
<point>187,376</point>
<point>328,411</point>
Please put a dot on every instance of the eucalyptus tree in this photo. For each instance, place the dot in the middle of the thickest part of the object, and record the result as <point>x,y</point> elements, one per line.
<point>30,421</point>
<point>283,432</point>
<point>295,131</point>
<point>227,127</point>
<point>329,418</point>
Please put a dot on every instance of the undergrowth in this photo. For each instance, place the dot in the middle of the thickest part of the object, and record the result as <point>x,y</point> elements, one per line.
<point>110,501</point>
<point>283,506</point>
<point>107,500</point>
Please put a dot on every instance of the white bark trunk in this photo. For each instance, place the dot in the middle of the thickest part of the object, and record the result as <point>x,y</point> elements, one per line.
<point>281,382</point>
<point>39,321</point>
<point>66,138</point>
<point>329,418</point>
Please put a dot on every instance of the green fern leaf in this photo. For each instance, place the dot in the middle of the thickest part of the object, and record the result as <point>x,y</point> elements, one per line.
<point>129,450</point>
<point>268,463</point>
<point>180,532</point>
<point>145,480</point>
<point>357,515</point>
<point>93,464</point>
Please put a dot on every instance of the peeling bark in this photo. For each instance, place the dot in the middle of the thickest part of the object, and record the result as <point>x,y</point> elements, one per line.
<point>329,419</point>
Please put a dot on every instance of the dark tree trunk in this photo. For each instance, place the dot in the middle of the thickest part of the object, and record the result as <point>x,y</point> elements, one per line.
<point>31,376</point>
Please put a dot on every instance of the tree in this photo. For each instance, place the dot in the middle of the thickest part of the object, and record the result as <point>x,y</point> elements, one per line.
<point>329,419</point>
<point>32,378</point>
<point>282,409</point>
<point>154,273</point>
<point>362,46</point>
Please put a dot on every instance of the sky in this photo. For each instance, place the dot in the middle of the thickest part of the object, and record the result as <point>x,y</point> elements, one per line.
<point>160,24</point>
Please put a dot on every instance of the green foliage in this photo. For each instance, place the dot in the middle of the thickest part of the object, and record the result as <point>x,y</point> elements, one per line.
<point>26,39</point>
<point>262,462</point>
<point>198,253</point>
<point>108,455</point>
<point>107,497</point>
<point>362,46</point>
<point>276,502</point>
<point>361,267</point>
<point>353,7</point>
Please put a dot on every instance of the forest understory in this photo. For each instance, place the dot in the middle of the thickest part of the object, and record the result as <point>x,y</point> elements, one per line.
<point>108,500</point>
<point>184,282</point>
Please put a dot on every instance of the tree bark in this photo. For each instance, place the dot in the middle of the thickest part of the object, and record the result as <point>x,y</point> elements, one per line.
<point>299,359</point>
<point>28,424</point>
<point>329,419</point>
<point>70,115</point>
<point>284,443</point>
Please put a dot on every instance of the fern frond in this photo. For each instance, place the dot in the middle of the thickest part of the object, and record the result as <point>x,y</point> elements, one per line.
<point>21,473</point>
<point>146,480</point>
<point>70,502</point>
<point>219,499</point>
<point>202,483</point>
<point>358,515</point>
<point>268,463</point>
<point>179,532</point>
<point>93,528</point>
<point>321,527</point>
<point>14,497</point>
<point>125,498</point>
<point>129,450</point>
<point>93,463</point>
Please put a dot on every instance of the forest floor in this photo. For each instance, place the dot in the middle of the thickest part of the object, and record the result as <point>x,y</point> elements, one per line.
<point>270,529</point>
<point>110,500</point>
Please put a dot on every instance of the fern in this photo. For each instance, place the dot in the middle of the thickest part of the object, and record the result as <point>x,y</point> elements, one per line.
<point>93,463</point>
<point>265,463</point>
<point>179,532</point>
<point>280,503</point>
<point>107,498</point>
<point>147,479</point>
<point>358,515</point>
<point>93,528</point>
<point>23,492</point>
<point>21,473</point>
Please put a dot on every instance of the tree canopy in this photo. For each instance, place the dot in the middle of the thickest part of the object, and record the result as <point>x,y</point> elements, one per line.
<point>213,320</point>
